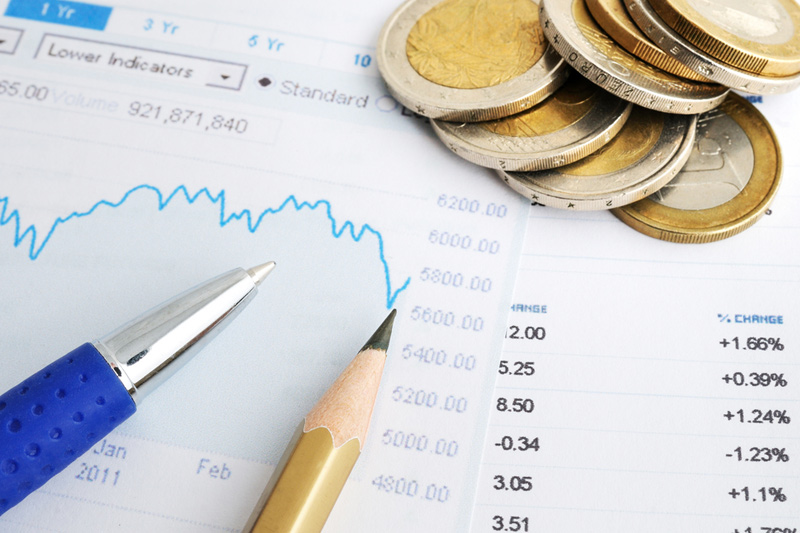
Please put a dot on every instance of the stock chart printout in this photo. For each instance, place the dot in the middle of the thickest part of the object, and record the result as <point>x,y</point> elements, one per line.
<point>640,385</point>
<point>147,148</point>
<point>651,386</point>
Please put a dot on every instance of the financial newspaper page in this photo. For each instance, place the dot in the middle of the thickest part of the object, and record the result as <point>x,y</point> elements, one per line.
<point>651,386</point>
<point>148,146</point>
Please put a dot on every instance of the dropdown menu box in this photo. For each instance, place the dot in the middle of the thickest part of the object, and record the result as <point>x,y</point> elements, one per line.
<point>9,39</point>
<point>156,65</point>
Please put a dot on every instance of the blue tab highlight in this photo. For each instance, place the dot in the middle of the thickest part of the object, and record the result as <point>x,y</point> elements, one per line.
<point>75,14</point>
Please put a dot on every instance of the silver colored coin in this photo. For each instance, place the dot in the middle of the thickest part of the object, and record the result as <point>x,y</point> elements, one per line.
<point>646,166</point>
<point>682,50</point>
<point>725,187</point>
<point>573,33</point>
<point>434,100</point>
<point>765,21</point>
<point>528,149</point>
<point>719,167</point>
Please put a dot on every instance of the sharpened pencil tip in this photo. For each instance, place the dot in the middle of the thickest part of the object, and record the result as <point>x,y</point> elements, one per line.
<point>380,339</point>
<point>258,273</point>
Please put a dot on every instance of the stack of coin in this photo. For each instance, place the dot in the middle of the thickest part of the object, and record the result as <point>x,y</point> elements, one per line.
<point>600,104</point>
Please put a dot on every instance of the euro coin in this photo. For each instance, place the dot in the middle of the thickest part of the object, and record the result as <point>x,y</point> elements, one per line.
<point>694,58</point>
<point>612,16</point>
<point>646,154</point>
<point>758,36</point>
<point>577,120</point>
<point>468,60</point>
<point>574,34</point>
<point>726,185</point>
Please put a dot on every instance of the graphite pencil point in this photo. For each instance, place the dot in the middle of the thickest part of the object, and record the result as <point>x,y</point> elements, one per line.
<point>380,339</point>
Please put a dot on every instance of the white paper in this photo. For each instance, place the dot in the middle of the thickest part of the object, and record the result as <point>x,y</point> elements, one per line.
<point>126,184</point>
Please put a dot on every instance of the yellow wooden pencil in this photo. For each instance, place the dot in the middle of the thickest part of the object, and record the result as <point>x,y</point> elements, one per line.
<point>310,475</point>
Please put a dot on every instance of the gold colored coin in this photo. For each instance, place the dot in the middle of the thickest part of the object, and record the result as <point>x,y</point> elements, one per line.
<point>726,185</point>
<point>573,32</point>
<point>472,44</point>
<point>568,105</point>
<point>758,36</point>
<point>637,138</point>
<point>612,16</point>
<point>481,71</point>
<point>575,121</point>
<point>648,152</point>
<point>602,42</point>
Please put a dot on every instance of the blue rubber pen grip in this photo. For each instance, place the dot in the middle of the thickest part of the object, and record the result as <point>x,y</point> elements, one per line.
<point>53,417</point>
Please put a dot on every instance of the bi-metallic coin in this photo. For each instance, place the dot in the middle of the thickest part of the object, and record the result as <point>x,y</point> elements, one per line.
<point>758,36</point>
<point>468,60</point>
<point>576,36</point>
<point>577,120</point>
<point>694,58</point>
<point>612,16</point>
<point>726,185</point>
<point>646,154</point>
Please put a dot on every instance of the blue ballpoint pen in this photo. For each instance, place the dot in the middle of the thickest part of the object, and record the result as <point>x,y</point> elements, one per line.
<point>57,414</point>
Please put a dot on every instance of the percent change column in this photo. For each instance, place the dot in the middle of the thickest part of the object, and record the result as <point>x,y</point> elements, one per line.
<point>643,396</point>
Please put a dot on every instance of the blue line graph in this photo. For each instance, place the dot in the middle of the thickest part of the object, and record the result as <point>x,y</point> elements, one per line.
<point>253,221</point>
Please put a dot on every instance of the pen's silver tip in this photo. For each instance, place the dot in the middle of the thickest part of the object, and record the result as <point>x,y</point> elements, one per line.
<point>258,273</point>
